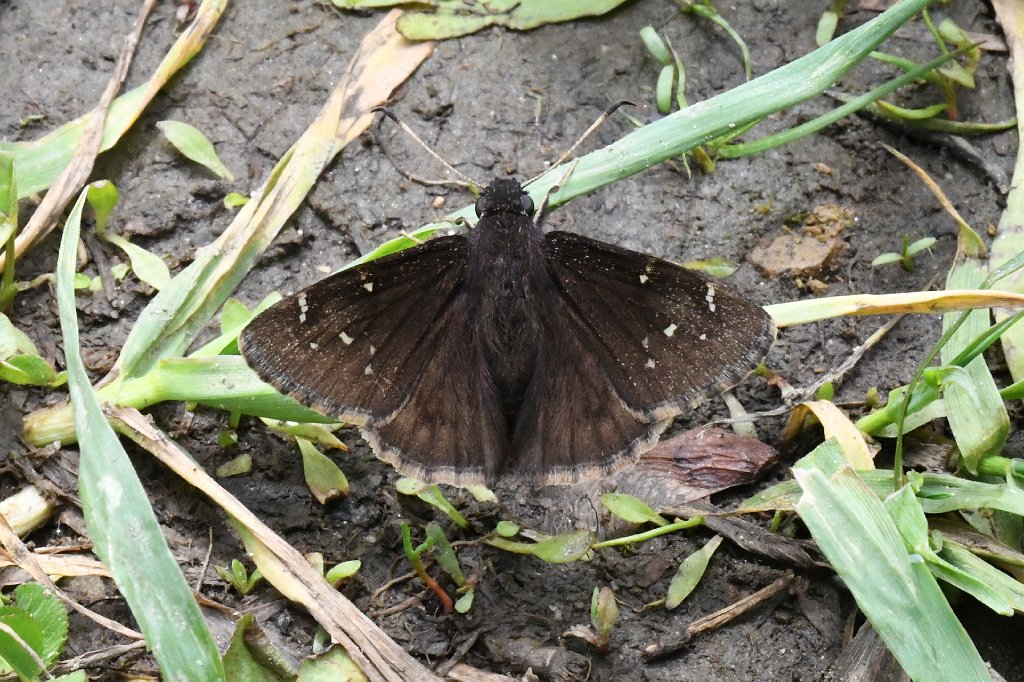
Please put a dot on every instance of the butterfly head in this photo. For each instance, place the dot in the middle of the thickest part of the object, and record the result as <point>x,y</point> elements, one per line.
<point>504,195</point>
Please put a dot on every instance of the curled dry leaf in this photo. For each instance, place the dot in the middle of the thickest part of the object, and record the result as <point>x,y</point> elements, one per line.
<point>693,465</point>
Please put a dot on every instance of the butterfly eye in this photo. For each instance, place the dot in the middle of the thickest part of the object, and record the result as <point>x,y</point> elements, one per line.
<point>482,204</point>
<point>526,203</point>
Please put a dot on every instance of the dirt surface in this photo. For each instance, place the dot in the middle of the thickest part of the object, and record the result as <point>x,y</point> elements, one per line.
<point>495,103</point>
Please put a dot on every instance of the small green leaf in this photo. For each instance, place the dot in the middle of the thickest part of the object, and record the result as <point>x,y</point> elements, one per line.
<point>604,611</point>
<point>334,665</point>
<point>718,267</point>
<point>506,529</point>
<point>915,114</point>
<point>319,434</point>
<point>432,495</point>
<point>826,27</point>
<point>227,437</point>
<point>920,245</point>
<point>339,572</point>
<point>663,90</point>
<point>194,145</point>
<point>325,480</point>
<point>482,493</point>
<point>560,549</point>
<point>631,509</point>
<point>236,466</point>
<point>457,18</point>
<point>102,196</point>
<point>252,657</point>
<point>655,45</point>
<point>13,655</point>
<point>444,554</point>
<point>557,549</point>
<point>407,485</point>
<point>886,258</point>
<point>376,4</point>
<point>77,676</point>
<point>27,370</point>
<point>234,315</point>
<point>148,267</point>
<point>8,187</point>
<point>827,391</point>
<point>234,200</point>
<point>13,341</point>
<point>690,572</point>
<point>465,602</point>
<point>46,608</point>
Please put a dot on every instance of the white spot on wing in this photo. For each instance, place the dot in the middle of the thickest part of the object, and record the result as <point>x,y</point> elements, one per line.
<point>710,297</point>
<point>372,350</point>
<point>368,370</point>
<point>368,286</point>
<point>345,338</point>
<point>670,330</point>
<point>644,279</point>
<point>302,318</point>
<point>650,363</point>
<point>703,337</point>
<point>646,342</point>
<point>313,345</point>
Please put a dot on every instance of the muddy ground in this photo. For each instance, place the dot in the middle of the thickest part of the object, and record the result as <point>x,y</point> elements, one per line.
<point>495,103</point>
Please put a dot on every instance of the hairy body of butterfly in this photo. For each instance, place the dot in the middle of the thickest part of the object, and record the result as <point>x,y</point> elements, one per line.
<point>551,356</point>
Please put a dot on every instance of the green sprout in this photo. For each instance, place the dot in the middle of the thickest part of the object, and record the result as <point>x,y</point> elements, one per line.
<point>905,256</point>
<point>238,577</point>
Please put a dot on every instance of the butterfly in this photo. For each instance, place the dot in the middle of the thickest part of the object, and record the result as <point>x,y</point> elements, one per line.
<point>547,356</point>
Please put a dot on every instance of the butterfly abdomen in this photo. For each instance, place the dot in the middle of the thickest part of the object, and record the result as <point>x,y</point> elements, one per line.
<point>507,249</point>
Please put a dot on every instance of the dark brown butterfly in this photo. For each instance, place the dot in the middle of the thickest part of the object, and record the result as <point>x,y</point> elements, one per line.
<point>551,357</point>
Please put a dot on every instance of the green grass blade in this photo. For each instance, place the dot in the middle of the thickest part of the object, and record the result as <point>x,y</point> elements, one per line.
<point>893,588</point>
<point>938,493</point>
<point>1009,241</point>
<point>737,150</point>
<point>124,529</point>
<point>974,408</point>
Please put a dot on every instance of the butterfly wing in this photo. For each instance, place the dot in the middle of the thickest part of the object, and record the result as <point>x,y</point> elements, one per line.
<point>667,337</point>
<point>629,341</point>
<point>452,429</point>
<point>335,346</point>
<point>571,423</point>
<point>414,385</point>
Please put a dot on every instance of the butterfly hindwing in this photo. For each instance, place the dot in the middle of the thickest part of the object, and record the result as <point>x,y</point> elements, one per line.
<point>451,429</point>
<point>665,337</point>
<point>571,423</point>
<point>336,347</point>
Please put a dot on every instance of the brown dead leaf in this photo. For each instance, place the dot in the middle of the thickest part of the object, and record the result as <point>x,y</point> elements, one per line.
<point>693,465</point>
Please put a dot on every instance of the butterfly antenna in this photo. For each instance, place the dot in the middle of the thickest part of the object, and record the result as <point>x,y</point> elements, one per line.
<point>593,126</point>
<point>416,138</point>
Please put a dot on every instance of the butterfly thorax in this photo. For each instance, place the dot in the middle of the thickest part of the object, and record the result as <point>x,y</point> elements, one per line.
<point>506,271</point>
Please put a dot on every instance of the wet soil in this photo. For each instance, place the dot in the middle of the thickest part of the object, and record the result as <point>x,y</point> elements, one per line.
<point>496,103</point>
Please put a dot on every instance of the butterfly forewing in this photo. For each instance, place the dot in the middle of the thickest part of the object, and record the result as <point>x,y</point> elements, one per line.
<point>354,345</point>
<point>664,336</point>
